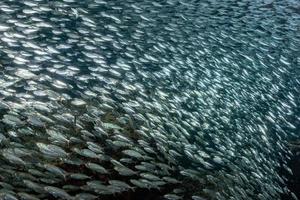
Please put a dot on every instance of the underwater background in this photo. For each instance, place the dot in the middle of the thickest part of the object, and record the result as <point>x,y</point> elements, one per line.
<point>136,99</point>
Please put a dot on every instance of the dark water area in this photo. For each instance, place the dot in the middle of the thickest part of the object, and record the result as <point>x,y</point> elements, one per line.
<point>149,100</point>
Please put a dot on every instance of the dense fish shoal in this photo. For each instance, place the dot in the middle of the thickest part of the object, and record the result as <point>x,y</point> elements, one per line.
<point>149,99</point>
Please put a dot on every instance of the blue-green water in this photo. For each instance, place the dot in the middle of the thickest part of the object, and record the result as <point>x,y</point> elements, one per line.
<point>149,99</point>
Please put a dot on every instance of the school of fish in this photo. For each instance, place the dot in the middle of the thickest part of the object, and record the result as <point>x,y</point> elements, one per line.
<point>185,99</point>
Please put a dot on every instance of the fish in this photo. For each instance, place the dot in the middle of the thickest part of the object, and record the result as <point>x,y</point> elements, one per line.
<point>172,196</point>
<point>79,176</point>
<point>51,150</point>
<point>133,153</point>
<point>57,192</point>
<point>97,168</point>
<point>56,171</point>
